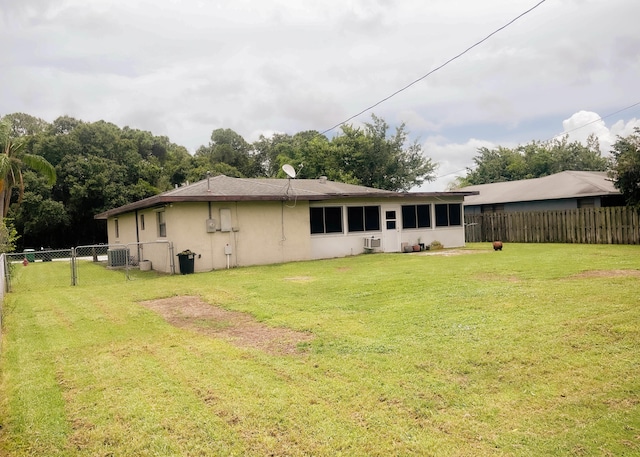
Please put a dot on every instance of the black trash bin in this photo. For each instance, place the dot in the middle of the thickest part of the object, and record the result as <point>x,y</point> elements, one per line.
<point>186,259</point>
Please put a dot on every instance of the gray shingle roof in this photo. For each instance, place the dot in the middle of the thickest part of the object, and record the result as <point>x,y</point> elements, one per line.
<point>224,188</point>
<point>567,184</point>
<point>252,188</point>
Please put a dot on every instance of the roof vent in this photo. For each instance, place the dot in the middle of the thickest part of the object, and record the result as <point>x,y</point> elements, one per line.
<point>322,179</point>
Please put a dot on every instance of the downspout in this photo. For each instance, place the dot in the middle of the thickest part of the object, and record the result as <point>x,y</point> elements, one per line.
<point>211,237</point>
<point>137,236</point>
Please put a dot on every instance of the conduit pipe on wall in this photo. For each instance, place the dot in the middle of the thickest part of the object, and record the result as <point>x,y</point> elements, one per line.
<point>227,252</point>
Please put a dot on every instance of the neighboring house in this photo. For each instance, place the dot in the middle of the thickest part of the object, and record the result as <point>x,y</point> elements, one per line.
<point>560,191</point>
<point>265,221</point>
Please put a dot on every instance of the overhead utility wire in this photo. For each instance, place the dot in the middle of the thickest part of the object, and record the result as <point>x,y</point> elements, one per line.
<point>437,68</point>
<point>560,134</point>
<point>594,121</point>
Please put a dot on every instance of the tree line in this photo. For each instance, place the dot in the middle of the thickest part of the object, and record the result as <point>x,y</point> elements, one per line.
<point>66,171</point>
<point>537,159</point>
<point>54,177</point>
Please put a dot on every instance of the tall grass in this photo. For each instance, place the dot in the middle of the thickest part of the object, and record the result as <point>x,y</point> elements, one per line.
<point>530,351</point>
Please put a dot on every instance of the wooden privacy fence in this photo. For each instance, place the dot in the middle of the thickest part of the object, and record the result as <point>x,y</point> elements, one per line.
<point>612,225</point>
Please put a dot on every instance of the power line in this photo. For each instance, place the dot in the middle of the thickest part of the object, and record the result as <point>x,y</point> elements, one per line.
<point>437,68</point>
<point>559,135</point>
<point>594,121</point>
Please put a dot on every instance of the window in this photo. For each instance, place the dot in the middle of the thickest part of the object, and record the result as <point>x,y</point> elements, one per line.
<point>363,218</point>
<point>162,225</point>
<point>449,214</point>
<point>416,216</point>
<point>390,218</point>
<point>117,228</point>
<point>327,219</point>
<point>142,222</point>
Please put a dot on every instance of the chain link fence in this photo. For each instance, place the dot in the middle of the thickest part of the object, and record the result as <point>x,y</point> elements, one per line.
<point>87,263</point>
<point>14,260</point>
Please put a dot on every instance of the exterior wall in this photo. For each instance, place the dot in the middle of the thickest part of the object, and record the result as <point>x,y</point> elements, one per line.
<point>549,205</point>
<point>351,243</point>
<point>267,232</point>
<point>539,205</point>
<point>126,229</point>
<point>450,237</point>
<point>259,233</point>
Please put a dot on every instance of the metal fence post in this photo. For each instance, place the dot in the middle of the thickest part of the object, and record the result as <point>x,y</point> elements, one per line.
<point>172,264</point>
<point>74,268</point>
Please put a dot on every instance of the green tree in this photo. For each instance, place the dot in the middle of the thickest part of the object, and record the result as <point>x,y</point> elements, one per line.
<point>533,160</point>
<point>8,236</point>
<point>625,167</point>
<point>377,160</point>
<point>12,161</point>
<point>309,153</point>
<point>227,153</point>
<point>24,124</point>
<point>367,156</point>
<point>496,165</point>
<point>271,151</point>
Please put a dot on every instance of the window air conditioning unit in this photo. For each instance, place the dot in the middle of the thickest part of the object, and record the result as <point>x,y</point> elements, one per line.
<point>117,257</point>
<point>371,243</point>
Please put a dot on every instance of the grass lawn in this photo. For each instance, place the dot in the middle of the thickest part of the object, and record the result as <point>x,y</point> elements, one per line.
<point>534,350</point>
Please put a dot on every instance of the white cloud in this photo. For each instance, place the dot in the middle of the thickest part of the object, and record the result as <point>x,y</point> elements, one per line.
<point>585,123</point>
<point>453,160</point>
<point>185,68</point>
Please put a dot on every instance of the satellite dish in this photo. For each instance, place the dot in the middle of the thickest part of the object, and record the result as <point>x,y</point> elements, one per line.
<point>289,170</point>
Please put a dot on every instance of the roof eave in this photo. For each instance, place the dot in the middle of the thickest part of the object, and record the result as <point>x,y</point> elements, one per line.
<point>160,200</point>
<point>586,195</point>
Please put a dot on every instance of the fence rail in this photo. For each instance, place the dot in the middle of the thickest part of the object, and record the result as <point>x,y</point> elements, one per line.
<point>612,225</point>
<point>114,256</point>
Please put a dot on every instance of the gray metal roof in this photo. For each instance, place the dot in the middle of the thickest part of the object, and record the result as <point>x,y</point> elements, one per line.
<point>225,188</point>
<point>567,184</point>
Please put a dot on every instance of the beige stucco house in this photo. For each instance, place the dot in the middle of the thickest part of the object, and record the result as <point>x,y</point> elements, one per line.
<point>239,222</point>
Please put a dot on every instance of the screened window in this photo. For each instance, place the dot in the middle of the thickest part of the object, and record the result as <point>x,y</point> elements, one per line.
<point>416,216</point>
<point>142,222</point>
<point>363,218</point>
<point>162,225</point>
<point>449,214</point>
<point>326,219</point>
<point>117,224</point>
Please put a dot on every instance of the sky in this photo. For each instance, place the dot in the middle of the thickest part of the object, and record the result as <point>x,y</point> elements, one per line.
<point>183,68</point>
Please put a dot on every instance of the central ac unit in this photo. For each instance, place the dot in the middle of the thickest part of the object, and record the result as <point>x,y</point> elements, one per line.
<point>117,257</point>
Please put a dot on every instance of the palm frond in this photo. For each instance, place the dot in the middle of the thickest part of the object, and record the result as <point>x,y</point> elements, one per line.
<point>41,165</point>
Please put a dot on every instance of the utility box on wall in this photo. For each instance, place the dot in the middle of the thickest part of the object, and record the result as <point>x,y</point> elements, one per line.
<point>211,225</point>
<point>225,220</point>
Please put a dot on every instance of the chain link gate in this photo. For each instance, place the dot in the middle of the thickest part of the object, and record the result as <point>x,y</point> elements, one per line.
<point>14,260</point>
<point>154,255</point>
<point>157,256</point>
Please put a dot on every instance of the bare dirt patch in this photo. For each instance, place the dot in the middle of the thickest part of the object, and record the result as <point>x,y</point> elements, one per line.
<point>240,329</point>
<point>607,274</point>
